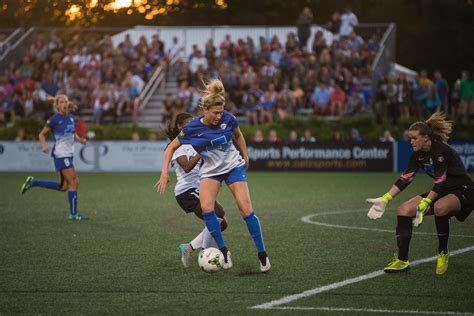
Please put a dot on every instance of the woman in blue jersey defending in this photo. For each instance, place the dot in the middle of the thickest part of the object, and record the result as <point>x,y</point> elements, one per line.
<point>63,127</point>
<point>211,136</point>
<point>187,163</point>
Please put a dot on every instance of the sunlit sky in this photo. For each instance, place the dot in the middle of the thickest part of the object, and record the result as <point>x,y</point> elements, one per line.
<point>91,11</point>
<point>141,6</point>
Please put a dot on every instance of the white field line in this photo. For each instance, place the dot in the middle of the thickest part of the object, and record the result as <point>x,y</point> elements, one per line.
<point>371,310</point>
<point>309,219</point>
<point>332,286</point>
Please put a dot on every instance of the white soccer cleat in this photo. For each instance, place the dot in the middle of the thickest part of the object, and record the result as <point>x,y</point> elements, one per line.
<point>266,267</point>
<point>185,254</point>
<point>227,265</point>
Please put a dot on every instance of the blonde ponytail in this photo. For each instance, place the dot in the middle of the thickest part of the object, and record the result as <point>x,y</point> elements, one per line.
<point>436,127</point>
<point>440,127</point>
<point>50,99</point>
<point>214,94</point>
<point>72,106</point>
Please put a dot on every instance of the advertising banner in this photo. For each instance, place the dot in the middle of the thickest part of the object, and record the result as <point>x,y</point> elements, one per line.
<point>27,156</point>
<point>148,156</point>
<point>365,156</point>
<point>463,148</point>
<point>466,152</point>
<point>131,156</point>
<point>94,156</point>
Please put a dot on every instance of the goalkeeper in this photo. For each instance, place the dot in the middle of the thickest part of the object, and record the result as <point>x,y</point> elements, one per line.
<point>452,193</point>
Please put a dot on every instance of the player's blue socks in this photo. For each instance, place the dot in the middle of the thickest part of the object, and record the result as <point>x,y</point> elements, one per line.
<point>214,227</point>
<point>253,225</point>
<point>53,185</point>
<point>72,196</point>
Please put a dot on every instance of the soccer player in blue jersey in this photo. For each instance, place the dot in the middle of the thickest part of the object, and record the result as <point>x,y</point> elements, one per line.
<point>187,163</point>
<point>211,136</point>
<point>63,128</point>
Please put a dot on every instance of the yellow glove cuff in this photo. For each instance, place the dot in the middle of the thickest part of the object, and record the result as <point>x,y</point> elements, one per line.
<point>427,201</point>
<point>387,197</point>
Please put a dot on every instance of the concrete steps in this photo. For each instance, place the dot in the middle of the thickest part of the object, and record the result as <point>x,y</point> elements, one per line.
<point>152,115</point>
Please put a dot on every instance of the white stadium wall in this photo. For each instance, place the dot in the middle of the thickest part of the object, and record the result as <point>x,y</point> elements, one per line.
<point>94,156</point>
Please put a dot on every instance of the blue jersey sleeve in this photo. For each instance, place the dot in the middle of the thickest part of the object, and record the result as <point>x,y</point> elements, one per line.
<point>233,123</point>
<point>51,122</point>
<point>187,134</point>
<point>182,137</point>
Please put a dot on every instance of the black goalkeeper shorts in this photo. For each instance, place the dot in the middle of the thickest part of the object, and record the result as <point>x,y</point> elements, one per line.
<point>465,194</point>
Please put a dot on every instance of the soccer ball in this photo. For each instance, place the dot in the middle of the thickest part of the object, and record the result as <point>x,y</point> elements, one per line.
<point>211,260</point>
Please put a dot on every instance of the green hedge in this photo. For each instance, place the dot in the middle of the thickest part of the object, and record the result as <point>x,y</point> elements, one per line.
<point>322,129</point>
<point>366,124</point>
<point>118,132</point>
<point>33,126</point>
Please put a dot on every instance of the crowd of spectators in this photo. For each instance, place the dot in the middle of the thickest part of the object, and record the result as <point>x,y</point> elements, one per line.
<point>277,77</point>
<point>396,97</point>
<point>269,79</point>
<point>100,78</point>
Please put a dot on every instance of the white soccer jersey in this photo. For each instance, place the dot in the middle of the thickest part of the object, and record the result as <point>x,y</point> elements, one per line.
<point>185,180</point>
<point>220,161</point>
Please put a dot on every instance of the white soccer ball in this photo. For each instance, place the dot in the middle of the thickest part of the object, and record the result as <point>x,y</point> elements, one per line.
<point>211,260</point>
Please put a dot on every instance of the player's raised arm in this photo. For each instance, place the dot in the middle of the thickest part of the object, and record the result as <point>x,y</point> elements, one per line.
<point>165,178</point>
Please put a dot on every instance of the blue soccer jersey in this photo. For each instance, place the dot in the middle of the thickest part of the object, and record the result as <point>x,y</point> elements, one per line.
<point>63,129</point>
<point>214,144</point>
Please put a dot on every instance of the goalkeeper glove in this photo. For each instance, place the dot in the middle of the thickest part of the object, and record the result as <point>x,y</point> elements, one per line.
<point>378,206</point>
<point>421,210</point>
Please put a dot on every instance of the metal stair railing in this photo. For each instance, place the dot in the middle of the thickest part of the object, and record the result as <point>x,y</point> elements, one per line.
<point>8,42</point>
<point>385,58</point>
<point>151,86</point>
<point>20,46</point>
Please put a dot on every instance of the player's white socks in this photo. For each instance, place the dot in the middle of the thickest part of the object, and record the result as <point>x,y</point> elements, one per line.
<point>206,238</point>
<point>196,243</point>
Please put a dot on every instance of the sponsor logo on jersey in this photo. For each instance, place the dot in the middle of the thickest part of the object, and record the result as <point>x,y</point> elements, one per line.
<point>219,143</point>
<point>223,125</point>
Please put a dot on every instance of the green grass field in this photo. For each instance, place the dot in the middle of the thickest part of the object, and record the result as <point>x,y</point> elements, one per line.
<point>125,259</point>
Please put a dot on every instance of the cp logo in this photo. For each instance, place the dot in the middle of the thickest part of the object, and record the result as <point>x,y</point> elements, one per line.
<point>90,153</point>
